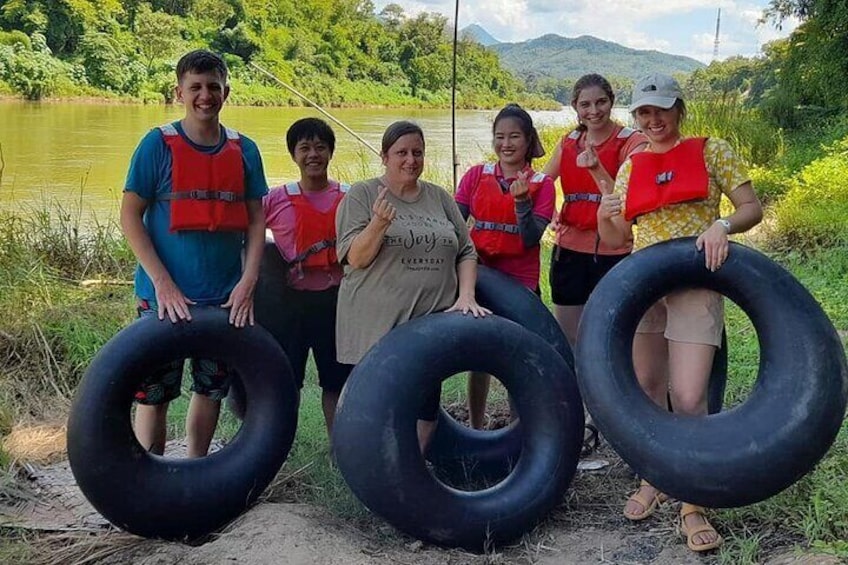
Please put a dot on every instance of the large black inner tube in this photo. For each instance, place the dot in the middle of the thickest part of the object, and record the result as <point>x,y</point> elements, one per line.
<point>465,453</point>
<point>376,446</point>
<point>751,451</point>
<point>169,498</point>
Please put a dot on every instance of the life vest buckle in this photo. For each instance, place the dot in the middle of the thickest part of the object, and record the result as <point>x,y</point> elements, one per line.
<point>665,177</point>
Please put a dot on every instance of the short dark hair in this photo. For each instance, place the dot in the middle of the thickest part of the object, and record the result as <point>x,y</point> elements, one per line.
<point>310,128</point>
<point>397,130</point>
<point>201,61</point>
<point>516,112</point>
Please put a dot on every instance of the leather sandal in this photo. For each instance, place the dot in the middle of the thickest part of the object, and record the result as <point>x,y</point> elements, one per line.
<point>688,509</point>
<point>591,440</point>
<point>649,505</point>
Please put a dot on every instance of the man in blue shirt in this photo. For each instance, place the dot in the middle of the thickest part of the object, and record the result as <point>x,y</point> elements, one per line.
<point>191,205</point>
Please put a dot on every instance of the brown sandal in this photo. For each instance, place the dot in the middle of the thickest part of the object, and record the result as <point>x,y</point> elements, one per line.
<point>688,509</point>
<point>649,505</point>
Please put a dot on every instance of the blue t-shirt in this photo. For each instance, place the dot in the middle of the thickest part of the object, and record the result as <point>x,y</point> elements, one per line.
<point>204,265</point>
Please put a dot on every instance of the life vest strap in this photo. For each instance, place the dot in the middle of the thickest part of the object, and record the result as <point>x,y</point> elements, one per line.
<point>582,197</point>
<point>495,226</point>
<point>314,248</point>
<point>223,195</point>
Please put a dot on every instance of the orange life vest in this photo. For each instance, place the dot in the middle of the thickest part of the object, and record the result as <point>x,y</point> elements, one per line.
<point>314,231</point>
<point>207,190</point>
<point>578,187</point>
<point>495,231</point>
<point>659,179</point>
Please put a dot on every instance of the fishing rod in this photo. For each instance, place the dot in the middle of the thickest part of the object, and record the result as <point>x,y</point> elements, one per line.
<point>316,106</point>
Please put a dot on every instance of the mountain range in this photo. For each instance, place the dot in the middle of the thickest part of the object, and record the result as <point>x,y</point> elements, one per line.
<point>560,57</point>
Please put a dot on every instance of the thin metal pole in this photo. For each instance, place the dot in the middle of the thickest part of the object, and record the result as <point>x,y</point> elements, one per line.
<point>453,93</point>
<point>316,106</point>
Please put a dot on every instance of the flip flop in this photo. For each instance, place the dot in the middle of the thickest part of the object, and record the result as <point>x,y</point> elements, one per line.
<point>688,509</point>
<point>649,505</point>
<point>591,442</point>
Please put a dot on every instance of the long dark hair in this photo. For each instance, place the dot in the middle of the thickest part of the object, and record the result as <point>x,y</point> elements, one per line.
<point>534,145</point>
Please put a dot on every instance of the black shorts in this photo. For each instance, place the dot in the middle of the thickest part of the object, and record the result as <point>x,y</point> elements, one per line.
<point>575,275</point>
<point>312,325</point>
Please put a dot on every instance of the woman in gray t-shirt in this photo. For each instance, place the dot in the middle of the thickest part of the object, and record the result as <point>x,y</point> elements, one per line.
<point>405,250</point>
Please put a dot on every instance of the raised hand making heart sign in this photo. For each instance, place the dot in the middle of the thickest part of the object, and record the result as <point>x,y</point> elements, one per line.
<point>588,158</point>
<point>520,187</point>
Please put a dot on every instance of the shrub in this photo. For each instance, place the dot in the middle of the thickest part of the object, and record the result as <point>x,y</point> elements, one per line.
<point>30,73</point>
<point>770,183</point>
<point>14,37</point>
<point>814,209</point>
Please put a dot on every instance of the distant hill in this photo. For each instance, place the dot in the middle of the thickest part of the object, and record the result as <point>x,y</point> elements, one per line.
<point>567,58</point>
<point>480,35</point>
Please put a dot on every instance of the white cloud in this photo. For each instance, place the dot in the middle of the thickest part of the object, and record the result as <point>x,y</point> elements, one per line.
<point>633,23</point>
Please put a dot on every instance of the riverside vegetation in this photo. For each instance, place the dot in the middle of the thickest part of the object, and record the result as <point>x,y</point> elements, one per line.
<point>52,323</point>
<point>337,52</point>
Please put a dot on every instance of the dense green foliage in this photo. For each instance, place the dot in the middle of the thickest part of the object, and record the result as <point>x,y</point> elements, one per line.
<point>338,52</point>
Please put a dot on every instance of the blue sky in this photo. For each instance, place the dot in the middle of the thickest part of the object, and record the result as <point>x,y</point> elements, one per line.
<point>681,27</point>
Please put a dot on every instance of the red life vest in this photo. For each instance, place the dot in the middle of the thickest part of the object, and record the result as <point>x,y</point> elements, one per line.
<point>495,231</point>
<point>659,179</point>
<point>314,231</point>
<point>207,191</point>
<point>578,187</point>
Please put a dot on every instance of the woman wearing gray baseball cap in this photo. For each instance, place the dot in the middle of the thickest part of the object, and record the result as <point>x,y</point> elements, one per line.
<point>674,188</point>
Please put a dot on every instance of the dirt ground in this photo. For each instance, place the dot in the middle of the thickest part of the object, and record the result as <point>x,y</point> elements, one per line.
<point>587,528</point>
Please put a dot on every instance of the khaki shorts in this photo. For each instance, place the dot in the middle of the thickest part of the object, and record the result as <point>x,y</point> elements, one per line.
<point>691,316</point>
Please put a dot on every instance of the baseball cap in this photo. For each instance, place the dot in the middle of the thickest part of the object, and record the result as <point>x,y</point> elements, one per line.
<point>657,90</point>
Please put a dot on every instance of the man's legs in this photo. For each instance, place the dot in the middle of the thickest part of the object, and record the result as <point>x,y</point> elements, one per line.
<point>201,421</point>
<point>150,426</point>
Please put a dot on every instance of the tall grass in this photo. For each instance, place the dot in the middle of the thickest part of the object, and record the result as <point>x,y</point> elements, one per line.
<point>751,136</point>
<point>50,324</point>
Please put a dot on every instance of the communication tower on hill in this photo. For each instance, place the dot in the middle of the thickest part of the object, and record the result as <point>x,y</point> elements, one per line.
<point>718,27</point>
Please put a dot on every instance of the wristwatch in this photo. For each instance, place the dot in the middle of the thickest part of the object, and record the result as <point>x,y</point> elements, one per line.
<point>724,223</point>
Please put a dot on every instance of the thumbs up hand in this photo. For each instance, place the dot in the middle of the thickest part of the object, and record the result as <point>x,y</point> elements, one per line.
<point>610,205</point>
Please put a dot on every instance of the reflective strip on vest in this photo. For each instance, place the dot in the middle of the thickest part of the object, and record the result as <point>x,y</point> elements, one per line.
<point>226,196</point>
<point>494,226</point>
<point>582,197</point>
<point>168,129</point>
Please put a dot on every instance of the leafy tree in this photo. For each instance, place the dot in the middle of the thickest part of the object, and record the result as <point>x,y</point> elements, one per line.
<point>814,66</point>
<point>30,72</point>
<point>393,15</point>
<point>105,64</point>
<point>159,35</point>
<point>237,40</point>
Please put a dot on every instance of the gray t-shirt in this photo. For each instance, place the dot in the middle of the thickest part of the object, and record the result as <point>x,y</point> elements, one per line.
<point>414,272</point>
